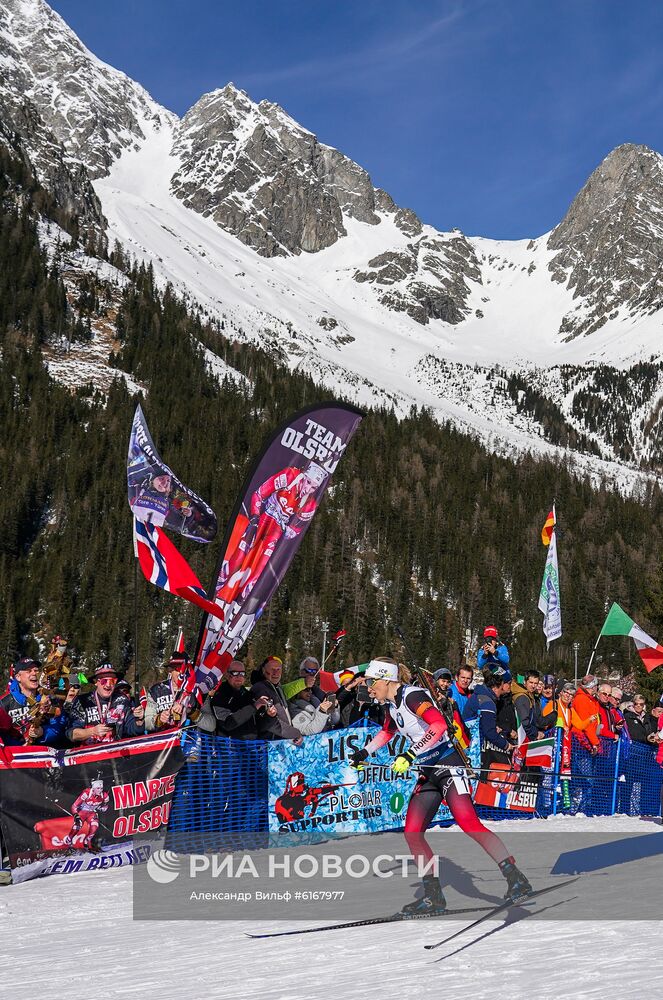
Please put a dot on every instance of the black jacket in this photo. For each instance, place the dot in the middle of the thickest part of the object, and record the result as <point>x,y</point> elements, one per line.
<point>83,713</point>
<point>640,729</point>
<point>232,713</point>
<point>279,726</point>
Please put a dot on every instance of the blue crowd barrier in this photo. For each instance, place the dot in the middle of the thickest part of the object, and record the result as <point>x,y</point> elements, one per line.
<point>221,797</point>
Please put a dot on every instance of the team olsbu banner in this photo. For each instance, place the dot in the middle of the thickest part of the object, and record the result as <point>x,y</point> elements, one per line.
<point>157,496</point>
<point>274,510</point>
<point>66,811</point>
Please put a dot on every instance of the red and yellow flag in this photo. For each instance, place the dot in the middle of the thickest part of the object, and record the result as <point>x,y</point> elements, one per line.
<point>548,528</point>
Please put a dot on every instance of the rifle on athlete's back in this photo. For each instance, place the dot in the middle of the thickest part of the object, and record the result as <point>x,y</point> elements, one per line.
<point>426,682</point>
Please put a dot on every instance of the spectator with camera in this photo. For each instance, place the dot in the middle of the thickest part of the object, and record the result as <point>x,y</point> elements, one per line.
<point>231,711</point>
<point>102,715</point>
<point>311,718</point>
<point>493,652</point>
<point>309,671</point>
<point>355,704</point>
<point>266,682</point>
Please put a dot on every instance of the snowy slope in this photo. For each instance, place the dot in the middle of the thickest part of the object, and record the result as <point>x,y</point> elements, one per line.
<point>368,353</point>
<point>245,211</point>
<point>67,930</point>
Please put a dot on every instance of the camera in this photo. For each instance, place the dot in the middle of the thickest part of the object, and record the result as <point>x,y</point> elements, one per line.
<point>362,694</point>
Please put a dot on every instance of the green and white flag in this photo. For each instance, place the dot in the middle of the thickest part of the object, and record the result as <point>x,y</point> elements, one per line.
<point>549,598</point>
<point>619,623</point>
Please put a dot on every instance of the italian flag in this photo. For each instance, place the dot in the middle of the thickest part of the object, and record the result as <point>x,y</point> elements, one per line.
<point>539,753</point>
<point>619,623</point>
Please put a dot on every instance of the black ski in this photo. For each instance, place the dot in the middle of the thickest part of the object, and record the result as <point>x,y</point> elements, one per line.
<point>371,920</point>
<point>499,909</point>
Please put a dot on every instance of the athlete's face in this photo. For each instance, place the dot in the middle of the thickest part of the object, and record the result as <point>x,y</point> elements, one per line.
<point>162,483</point>
<point>378,690</point>
<point>306,487</point>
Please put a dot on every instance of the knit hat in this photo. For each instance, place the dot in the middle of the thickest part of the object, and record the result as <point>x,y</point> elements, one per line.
<point>104,669</point>
<point>588,681</point>
<point>443,672</point>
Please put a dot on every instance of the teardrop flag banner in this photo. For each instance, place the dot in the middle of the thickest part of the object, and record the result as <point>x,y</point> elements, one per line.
<point>274,510</point>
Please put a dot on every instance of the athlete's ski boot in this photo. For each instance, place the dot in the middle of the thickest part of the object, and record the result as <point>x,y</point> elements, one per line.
<point>431,904</point>
<point>518,886</point>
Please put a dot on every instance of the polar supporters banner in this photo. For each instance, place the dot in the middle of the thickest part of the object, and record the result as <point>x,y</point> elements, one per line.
<point>66,811</point>
<point>276,506</point>
<point>157,496</point>
<point>313,789</point>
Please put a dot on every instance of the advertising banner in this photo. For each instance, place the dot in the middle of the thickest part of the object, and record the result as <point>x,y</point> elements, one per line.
<point>65,811</point>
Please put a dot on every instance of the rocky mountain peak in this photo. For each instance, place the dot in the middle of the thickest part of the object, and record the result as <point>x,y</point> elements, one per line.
<point>610,241</point>
<point>93,110</point>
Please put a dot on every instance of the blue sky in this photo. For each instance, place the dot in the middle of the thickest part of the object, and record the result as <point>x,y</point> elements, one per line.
<point>488,116</point>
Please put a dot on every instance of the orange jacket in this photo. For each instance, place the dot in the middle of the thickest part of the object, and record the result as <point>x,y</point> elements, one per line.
<point>586,708</point>
<point>568,718</point>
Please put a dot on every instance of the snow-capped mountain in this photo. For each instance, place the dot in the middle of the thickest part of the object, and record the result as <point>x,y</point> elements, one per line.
<point>548,343</point>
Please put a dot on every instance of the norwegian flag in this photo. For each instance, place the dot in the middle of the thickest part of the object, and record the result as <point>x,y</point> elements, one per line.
<point>165,567</point>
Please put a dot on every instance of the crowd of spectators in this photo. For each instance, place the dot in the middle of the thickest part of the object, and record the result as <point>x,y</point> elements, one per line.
<point>595,713</point>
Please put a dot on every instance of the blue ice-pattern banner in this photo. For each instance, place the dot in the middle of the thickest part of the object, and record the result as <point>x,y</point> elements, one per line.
<point>313,788</point>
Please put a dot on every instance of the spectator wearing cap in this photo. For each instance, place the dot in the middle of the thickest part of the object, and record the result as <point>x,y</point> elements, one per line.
<point>482,704</point>
<point>266,681</point>
<point>231,711</point>
<point>493,652</point>
<point>29,710</point>
<point>162,696</point>
<point>102,715</point>
<point>461,687</point>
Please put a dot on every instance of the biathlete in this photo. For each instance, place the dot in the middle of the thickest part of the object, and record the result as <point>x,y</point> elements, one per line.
<point>412,714</point>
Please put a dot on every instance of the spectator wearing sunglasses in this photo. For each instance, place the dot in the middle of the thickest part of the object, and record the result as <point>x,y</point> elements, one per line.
<point>102,715</point>
<point>231,711</point>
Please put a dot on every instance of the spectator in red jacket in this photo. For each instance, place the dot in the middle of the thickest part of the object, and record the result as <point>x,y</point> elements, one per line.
<point>606,724</point>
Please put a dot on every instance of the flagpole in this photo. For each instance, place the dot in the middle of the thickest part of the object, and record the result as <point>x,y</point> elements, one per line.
<point>136,670</point>
<point>591,659</point>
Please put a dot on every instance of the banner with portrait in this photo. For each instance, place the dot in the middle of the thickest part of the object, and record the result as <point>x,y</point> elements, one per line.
<point>274,510</point>
<point>66,811</point>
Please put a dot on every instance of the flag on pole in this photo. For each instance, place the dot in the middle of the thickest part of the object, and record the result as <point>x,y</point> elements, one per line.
<point>549,597</point>
<point>539,753</point>
<point>619,623</point>
<point>166,568</point>
<point>548,528</point>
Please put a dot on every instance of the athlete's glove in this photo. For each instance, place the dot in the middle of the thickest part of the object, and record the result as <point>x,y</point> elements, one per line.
<point>357,759</point>
<point>402,763</point>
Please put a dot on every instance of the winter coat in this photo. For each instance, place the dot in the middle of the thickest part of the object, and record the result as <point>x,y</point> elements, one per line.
<point>639,726</point>
<point>353,712</point>
<point>160,697</point>
<point>491,661</point>
<point>279,726</point>
<point>528,711</point>
<point>586,707</point>
<point>460,697</point>
<point>10,736</point>
<point>306,717</point>
<point>83,713</point>
<point>230,712</point>
<point>483,703</point>
<point>18,708</point>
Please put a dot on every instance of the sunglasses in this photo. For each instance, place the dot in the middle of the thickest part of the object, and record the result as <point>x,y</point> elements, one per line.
<point>107,681</point>
<point>236,673</point>
<point>310,670</point>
